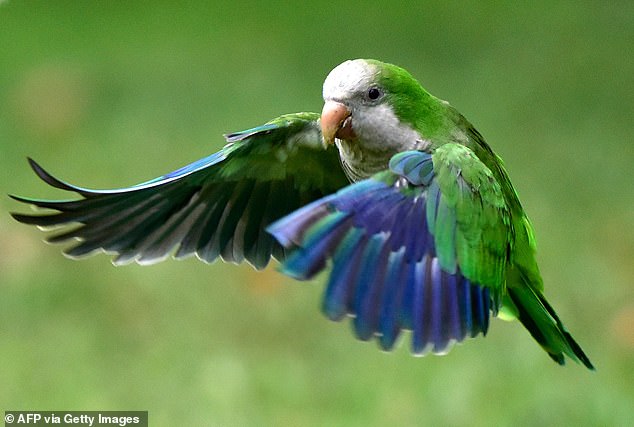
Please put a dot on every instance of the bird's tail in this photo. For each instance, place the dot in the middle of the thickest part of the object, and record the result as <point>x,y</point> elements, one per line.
<point>542,322</point>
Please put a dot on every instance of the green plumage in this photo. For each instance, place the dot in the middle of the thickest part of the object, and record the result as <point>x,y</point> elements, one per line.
<point>217,207</point>
<point>430,235</point>
<point>478,228</point>
<point>479,225</point>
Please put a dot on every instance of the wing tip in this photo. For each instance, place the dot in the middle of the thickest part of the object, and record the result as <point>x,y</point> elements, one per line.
<point>47,177</point>
<point>52,181</point>
<point>24,218</point>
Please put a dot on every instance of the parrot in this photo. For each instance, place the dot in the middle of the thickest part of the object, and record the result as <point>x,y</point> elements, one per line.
<point>390,190</point>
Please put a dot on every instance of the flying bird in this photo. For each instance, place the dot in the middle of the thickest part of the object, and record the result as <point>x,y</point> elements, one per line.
<point>390,188</point>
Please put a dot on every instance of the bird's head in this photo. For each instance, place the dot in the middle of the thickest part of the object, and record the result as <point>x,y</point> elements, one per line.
<point>376,105</point>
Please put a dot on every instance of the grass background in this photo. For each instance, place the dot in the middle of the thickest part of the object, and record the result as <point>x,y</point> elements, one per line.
<point>108,94</point>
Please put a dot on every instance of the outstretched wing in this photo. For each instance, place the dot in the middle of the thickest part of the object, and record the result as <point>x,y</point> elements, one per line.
<point>422,247</point>
<point>217,206</point>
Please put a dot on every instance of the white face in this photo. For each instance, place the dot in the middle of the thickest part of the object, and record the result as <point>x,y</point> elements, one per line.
<point>373,120</point>
<point>348,79</point>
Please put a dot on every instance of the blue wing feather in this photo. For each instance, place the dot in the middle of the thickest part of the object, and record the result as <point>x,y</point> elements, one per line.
<point>346,265</point>
<point>389,325</point>
<point>306,261</point>
<point>368,286</point>
<point>386,270</point>
<point>419,305</point>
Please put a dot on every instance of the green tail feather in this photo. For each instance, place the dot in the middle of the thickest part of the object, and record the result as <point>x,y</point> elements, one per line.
<point>544,325</point>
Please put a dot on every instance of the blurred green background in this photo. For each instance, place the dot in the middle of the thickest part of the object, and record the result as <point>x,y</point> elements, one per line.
<point>108,94</point>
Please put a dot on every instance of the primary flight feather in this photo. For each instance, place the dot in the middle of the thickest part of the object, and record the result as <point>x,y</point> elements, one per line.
<point>390,187</point>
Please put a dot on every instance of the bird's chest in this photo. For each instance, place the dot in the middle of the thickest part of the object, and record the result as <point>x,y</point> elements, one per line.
<point>359,164</point>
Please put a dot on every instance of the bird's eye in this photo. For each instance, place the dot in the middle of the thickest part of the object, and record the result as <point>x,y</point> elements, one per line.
<point>374,93</point>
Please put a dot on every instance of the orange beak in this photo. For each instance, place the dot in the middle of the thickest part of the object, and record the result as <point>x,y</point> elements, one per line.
<point>336,122</point>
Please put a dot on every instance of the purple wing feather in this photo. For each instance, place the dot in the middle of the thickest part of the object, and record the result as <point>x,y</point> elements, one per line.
<point>385,269</point>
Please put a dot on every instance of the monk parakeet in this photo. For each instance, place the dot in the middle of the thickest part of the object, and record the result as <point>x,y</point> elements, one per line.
<point>390,188</point>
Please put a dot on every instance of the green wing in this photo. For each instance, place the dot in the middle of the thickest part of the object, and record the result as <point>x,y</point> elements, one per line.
<point>498,247</point>
<point>422,246</point>
<point>218,206</point>
<point>472,226</point>
<point>524,299</point>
